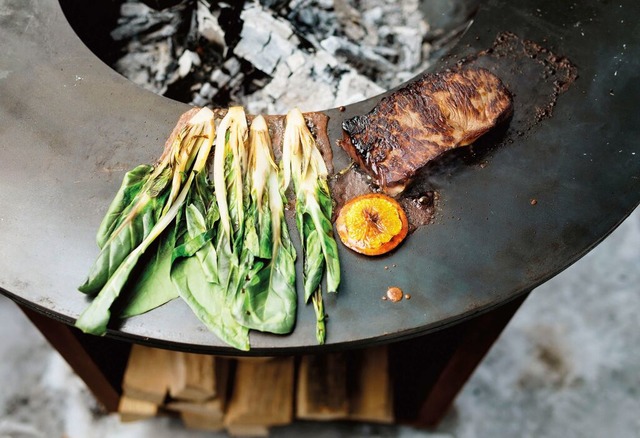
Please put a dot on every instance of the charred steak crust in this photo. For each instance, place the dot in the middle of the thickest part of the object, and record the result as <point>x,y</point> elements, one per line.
<point>415,124</point>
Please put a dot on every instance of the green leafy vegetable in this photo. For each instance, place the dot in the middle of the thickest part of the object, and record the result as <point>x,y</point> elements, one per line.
<point>303,163</point>
<point>196,279</point>
<point>268,297</point>
<point>137,220</point>
<point>132,184</point>
<point>153,287</point>
<point>223,246</point>
<point>206,264</point>
<point>211,308</point>
<point>196,137</point>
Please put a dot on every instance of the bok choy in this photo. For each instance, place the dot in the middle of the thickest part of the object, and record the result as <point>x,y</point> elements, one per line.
<point>267,300</point>
<point>214,218</point>
<point>220,243</point>
<point>152,210</point>
<point>303,164</point>
<point>130,218</point>
<point>146,194</point>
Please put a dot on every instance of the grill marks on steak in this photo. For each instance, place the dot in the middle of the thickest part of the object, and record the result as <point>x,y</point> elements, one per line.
<point>417,123</point>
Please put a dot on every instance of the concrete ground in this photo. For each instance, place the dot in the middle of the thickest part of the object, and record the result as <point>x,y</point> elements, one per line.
<point>566,366</point>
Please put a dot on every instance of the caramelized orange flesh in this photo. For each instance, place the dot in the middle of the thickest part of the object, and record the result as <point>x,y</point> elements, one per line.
<point>372,224</point>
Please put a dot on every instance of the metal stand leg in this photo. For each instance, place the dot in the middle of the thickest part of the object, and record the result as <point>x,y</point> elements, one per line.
<point>99,362</point>
<point>429,371</point>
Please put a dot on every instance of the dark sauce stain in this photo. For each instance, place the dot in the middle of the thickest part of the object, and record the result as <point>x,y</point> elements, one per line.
<point>535,76</point>
<point>418,206</point>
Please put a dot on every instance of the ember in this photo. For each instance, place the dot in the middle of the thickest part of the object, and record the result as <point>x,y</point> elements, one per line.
<point>272,55</point>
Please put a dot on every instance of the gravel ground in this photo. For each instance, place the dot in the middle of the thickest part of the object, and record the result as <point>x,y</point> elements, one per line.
<point>566,366</point>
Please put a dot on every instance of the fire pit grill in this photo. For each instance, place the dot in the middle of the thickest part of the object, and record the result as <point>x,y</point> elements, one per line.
<point>72,126</point>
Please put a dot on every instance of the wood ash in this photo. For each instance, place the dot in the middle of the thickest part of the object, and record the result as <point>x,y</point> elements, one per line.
<point>272,55</point>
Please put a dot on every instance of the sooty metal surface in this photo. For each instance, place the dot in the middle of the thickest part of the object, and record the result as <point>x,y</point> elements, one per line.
<point>70,127</point>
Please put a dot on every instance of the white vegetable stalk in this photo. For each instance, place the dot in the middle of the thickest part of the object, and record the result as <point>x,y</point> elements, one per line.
<point>264,175</point>
<point>231,136</point>
<point>301,159</point>
<point>261,163</point>
<point>180,158</point>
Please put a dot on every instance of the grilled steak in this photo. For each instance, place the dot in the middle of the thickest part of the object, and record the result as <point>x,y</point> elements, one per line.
<point>415,124</point>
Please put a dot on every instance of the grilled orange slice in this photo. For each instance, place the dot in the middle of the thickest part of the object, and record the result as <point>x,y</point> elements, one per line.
<point>372,224</point>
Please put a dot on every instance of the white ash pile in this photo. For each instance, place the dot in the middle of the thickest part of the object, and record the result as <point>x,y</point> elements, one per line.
<point>272,55</point>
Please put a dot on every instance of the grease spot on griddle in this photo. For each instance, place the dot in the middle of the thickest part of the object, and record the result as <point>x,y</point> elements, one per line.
<point>395,294</point>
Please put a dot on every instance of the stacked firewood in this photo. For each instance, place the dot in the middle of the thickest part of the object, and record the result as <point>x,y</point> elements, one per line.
<point>248,396</point>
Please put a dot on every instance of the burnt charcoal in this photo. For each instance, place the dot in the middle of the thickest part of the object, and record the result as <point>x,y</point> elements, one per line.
<point>342,50</point>
<point>159,5</point>
<point>279,6</point>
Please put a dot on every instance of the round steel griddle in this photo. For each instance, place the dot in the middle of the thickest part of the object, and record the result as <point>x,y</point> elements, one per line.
<point>70,127</point>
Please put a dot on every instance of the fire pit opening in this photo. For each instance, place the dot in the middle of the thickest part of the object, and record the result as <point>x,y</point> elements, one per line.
<point>269,55</point>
